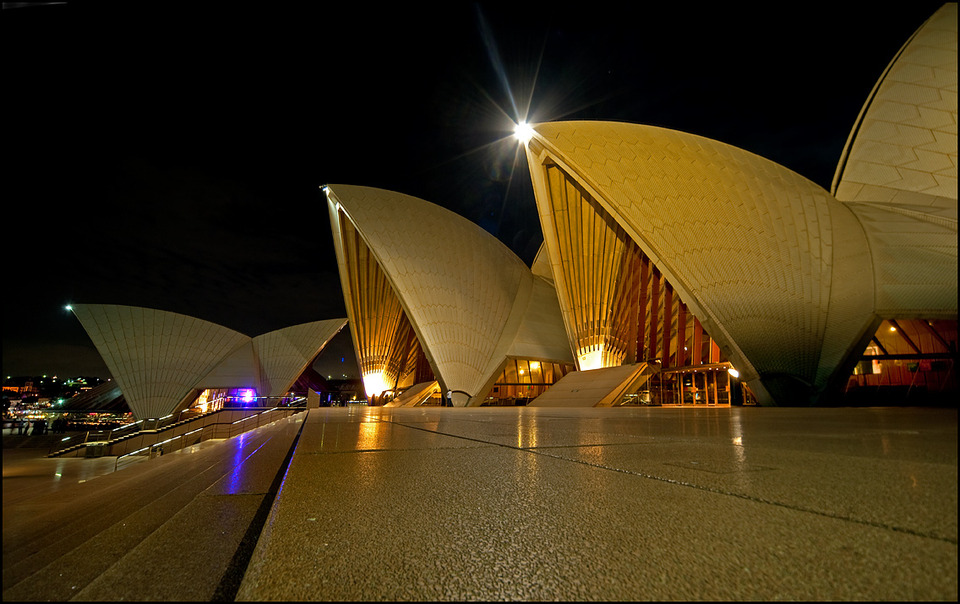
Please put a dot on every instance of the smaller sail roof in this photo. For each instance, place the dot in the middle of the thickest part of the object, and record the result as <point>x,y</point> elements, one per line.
<point>158,357</point>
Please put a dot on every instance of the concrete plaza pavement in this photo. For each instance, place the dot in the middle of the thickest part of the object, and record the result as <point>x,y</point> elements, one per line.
<point>524,503</point>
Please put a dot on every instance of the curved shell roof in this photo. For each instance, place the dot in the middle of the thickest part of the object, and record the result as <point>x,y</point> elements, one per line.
<point>768,260</point>
<point>464,292</point>
<point>285,353</point>
<point>157,357</point>
<point>899,174</point>
<point>903,148</point>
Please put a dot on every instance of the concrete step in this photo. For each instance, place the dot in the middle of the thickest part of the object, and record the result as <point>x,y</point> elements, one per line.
<point>145,527</point>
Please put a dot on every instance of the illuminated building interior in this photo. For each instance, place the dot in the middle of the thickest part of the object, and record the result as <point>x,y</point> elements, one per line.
<point>208,400</point>
<point>214,399</point>
<point>909,353</point>
<point>523,380</point>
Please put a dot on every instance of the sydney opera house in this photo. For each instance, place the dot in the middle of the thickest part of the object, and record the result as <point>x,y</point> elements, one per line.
<point>674,270</point>
<point>166,362</point>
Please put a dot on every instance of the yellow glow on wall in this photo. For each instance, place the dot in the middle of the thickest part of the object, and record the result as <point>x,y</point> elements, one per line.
<point>203,401</point>
<point>375,383</point>
<point>591,360</point>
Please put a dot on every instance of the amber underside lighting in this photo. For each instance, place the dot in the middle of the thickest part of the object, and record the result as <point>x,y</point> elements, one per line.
<point>617,306</point>
<point>389,352</point>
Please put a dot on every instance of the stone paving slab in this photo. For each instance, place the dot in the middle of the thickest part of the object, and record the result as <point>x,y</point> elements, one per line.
<point>607,505</point>
<point>511,504</point>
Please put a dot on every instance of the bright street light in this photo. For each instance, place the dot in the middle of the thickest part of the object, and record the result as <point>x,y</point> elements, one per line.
<point>523,132</point>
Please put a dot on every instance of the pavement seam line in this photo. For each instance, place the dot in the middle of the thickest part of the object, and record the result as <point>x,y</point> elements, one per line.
<point>232,578</point>
<point>796,508</point>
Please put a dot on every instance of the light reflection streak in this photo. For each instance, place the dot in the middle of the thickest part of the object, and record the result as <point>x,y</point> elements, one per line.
<point>236,476</point>
<point>369,436</point>
<point>739,451</point>
<point>59,469</point>
<point>369,469</point>
<point>528,431</point>
<point>520,430</point>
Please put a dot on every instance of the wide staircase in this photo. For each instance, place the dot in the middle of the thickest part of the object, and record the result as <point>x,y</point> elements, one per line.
<point>157,437</point>
<point>178,527</point>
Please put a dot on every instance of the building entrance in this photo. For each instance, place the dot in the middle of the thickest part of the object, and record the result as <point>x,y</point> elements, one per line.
<point>700,385</point>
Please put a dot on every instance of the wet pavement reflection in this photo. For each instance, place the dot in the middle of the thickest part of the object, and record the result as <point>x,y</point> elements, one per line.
<point>628,503</point>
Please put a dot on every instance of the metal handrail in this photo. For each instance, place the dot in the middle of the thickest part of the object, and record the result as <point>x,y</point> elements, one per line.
<point>71,445</point>
<point>153,447</point>
<point>113,438</point>
<point>159,445</point>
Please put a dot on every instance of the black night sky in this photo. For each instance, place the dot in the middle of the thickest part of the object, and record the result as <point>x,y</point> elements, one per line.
<point>170,155</point>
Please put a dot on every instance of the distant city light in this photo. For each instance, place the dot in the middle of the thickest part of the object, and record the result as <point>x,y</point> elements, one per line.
<point>523,132</point>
